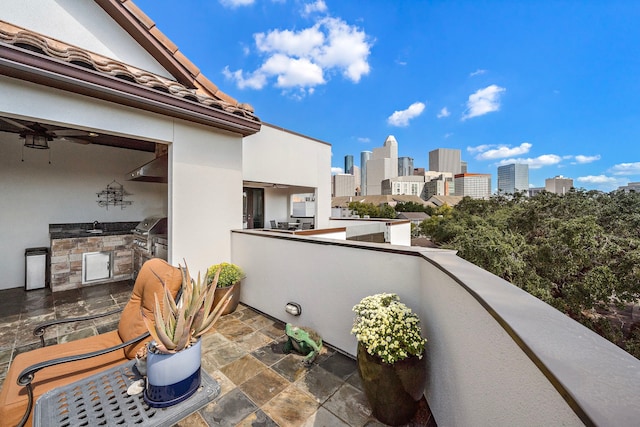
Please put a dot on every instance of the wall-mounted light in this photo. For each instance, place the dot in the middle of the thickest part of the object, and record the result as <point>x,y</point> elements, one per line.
<point>293,308</point>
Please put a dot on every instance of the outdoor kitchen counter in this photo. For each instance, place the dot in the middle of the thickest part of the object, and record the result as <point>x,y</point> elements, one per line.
<point>110,253</point>
<point>72,234</point>
<point>75,230</point>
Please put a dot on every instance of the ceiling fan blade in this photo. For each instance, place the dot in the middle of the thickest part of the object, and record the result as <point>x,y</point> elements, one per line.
<point>75,140</point>
<point>15,123</point>
<point>71,132</point>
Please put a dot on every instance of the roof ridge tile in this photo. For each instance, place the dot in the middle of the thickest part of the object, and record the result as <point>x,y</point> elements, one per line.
<point>142,17</point>
<point>197,78</point>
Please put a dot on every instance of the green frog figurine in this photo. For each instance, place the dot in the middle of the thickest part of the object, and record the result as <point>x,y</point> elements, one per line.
<point>304,341</point>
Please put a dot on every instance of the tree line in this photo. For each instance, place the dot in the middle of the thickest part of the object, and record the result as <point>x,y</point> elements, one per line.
<point>579,252</point>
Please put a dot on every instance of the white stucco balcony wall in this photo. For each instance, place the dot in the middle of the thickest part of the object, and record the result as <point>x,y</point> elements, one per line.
<point>497,355</point>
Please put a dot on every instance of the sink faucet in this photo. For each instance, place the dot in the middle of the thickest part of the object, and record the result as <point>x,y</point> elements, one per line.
<point>95,224</point>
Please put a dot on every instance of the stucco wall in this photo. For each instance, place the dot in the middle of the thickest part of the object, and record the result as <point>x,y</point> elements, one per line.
<point>205,178</point>
<point>80,23</point>
<point>34,194</point>
<point>276,156</point>
<point>479,373</point>
<point>206,175</point>
<point>276,205</point>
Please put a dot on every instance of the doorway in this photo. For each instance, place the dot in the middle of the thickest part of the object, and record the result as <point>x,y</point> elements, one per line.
<point>252,207</point>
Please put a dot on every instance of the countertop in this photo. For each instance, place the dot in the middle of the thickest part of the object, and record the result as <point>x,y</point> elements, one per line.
<point>77,230</point>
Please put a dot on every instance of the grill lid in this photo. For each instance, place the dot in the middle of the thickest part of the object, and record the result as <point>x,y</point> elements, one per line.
<point>150,223</point>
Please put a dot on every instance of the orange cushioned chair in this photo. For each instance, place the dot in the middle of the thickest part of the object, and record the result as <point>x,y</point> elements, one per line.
<point>33,373</point>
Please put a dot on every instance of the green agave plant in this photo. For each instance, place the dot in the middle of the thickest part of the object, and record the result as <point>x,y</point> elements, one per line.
<point>179,324</point>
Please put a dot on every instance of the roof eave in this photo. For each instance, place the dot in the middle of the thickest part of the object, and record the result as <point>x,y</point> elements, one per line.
<point>39,69</point>
<point>141,34</point>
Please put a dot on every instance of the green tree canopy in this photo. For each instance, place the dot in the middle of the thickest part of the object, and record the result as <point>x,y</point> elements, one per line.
<point>410,207</point>
<point>371,210</point>
<point>579,252</point>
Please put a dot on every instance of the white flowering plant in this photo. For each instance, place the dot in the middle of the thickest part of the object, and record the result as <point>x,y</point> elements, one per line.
<point>387,328</point>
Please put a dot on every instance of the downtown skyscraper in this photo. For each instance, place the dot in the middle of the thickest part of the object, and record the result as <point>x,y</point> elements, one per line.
<point>513,178</point>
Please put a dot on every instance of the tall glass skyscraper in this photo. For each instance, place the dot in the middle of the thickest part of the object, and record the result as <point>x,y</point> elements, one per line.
<point>348,164</point>
<point>405,166</point>
<point>513,178</point>
<point>365,156</point>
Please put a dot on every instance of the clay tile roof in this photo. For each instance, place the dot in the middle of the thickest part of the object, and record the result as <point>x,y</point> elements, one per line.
<point>196,78</point>
<point>189,84</point>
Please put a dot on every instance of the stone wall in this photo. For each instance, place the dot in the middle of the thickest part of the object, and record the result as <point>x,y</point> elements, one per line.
<point>66,259</point>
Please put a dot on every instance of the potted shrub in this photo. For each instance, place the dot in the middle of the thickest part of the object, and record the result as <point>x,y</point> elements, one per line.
<point>230,275</point>
<point>174,355</point>
<point>390,357</point>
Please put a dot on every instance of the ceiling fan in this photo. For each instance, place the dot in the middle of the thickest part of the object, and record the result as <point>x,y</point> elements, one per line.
<point>38,136</point>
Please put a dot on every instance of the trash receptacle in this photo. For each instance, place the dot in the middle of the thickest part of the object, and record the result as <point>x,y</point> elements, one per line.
<point>36,267</point>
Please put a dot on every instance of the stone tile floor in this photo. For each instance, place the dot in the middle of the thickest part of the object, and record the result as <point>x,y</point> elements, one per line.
<point>260,385</point>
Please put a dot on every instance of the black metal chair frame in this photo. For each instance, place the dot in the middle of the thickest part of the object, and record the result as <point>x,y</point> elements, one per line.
<point>27,375</point>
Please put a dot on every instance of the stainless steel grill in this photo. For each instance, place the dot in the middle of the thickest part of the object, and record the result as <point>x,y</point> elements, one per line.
<point>147,230</point>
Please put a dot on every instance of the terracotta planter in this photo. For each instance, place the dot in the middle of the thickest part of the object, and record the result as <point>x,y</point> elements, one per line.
<point>235,297</point>
<point>171,378</point>
<point>393,391</point>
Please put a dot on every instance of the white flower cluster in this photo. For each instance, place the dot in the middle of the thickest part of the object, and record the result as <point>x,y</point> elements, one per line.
<point>387,328</point>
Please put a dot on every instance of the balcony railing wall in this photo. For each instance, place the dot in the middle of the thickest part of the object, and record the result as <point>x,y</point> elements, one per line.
<point>396,232</point>
<point>496,354</point>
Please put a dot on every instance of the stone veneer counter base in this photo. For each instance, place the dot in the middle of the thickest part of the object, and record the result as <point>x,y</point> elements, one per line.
<point>70,241</point>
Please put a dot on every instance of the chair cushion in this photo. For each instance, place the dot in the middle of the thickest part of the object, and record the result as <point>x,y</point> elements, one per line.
<point>14,398</point>
<point>150,281</point>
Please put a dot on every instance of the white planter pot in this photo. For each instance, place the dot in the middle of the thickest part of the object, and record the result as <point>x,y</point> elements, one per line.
<point>171,378</point>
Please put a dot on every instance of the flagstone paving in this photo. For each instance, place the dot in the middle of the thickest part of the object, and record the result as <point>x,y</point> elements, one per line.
<point>260,384</point>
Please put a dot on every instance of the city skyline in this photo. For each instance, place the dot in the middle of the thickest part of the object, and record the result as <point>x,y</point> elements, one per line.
<point>551,85</point>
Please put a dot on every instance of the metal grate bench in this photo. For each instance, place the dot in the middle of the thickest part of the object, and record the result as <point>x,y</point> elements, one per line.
<point>102,400</point>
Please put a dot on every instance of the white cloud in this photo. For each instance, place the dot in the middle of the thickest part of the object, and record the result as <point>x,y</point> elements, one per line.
<point>581,159</point>
<point>626,169</point>
<point>534,163</point>
<point>503,151</point>
<point>597,179</point>
<point>477,72</point>
<point>603,182</point>
<point>292,72</point>
<point>443,113</point>
<point>447,135</point>
<point>336,171</point>
<point>401,118</point>
<point>364,139</point>
<point>483,101</point>
<point>347,49</point>
<point>480,148</point>
<point>290,43</point>
<point>317,6</point>
<point>305,58</point>
<point>255,80</point>
<point>236,3</point>
<point>587,159</point>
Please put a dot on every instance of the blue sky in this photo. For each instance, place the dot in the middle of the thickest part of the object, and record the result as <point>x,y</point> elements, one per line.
<point>555,84</point>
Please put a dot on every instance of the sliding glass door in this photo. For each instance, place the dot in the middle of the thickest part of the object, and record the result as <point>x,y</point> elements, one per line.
<point>253,208</point>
